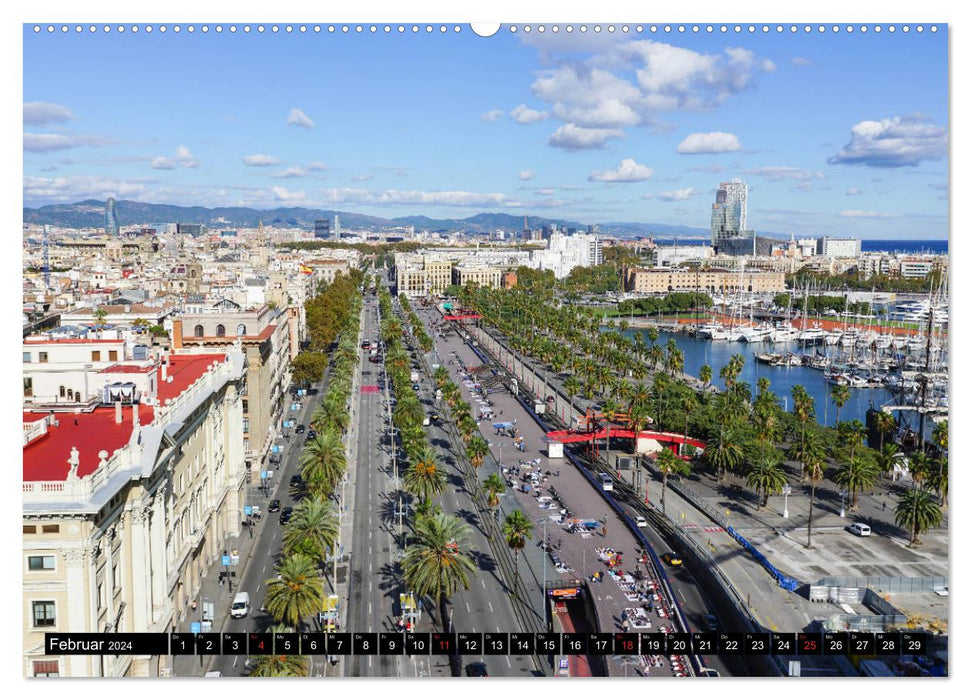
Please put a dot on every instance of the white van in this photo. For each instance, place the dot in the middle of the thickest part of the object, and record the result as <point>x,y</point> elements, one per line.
<point>606,483</point>
<point>860,529</point>
<point>240,607</point>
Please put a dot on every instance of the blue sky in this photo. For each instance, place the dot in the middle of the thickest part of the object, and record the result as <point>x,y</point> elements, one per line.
<point>836,134</point>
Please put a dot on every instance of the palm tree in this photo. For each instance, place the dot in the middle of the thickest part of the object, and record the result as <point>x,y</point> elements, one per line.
<point>687,404</point>
<point>704,374</point>
<point>885,424</point>
<point>423,478</point>
<point>852,433</point>
<point>441,376</point>
<point>99,317</point>
<point>811,454</point>
<point>435,565</point>
<point>280,666</point>
<point>476,451</point>
<point>296,592</point>
<point>313,528</point>
<point>609,409</point>
<point>467,427</point>
<point>323,462</point>
<point>857,474</point>
<point>766,476</point>
<point>939,436</point>
<point>803,408</point>
<point>518,530</point>
<point>494,488</point>
<point>669,463</point>
<point>726,452</point>
<point>840,395</point>
<point>917,512</point>
<point>571,385</point>
<point>937,479</point>
<point>887,457</point>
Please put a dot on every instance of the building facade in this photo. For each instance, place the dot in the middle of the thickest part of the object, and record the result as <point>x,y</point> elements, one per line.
<point>729,213</point>
<point>666,280</point>
<point>123,518</point>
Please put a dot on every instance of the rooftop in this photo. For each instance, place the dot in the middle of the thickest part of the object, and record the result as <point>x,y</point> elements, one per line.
<point>46,459</point>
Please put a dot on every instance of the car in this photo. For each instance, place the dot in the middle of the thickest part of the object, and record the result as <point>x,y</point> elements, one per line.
<point>860,529</point>
<point>477,669</point>
<point>274,505</point>
<point>301,428</point>
<point>641,521</point>
<point>709,623</point>
<point>311,434</point>
<point>296,481</point>
<point>433,415</point>
<point>285,515</point>
<point>671,559</point>
<point>416,386</point>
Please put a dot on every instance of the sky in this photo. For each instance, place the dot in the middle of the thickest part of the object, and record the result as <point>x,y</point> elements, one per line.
<point>835,133</point>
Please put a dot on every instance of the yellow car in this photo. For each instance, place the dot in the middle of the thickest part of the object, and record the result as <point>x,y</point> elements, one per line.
<point>671,559</point>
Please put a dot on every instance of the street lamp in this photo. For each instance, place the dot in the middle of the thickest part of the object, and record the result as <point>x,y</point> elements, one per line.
<point>842,503</point>
<point>786,490</point>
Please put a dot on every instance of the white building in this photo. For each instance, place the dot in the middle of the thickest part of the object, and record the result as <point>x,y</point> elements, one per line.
<point>563,253</point>
<point>838,247</point>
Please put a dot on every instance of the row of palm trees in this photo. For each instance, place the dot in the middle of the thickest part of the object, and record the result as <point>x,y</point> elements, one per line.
<point>744,432</point>
<point>297,590</point>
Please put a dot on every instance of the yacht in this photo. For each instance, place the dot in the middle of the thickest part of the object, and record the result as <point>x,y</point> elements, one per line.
<point>713,331</point>
<point>784,332</point>
<point>811,336</point>
<point>756,334</point>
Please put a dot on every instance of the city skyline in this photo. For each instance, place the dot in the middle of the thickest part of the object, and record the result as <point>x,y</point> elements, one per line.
<point>596,128</point>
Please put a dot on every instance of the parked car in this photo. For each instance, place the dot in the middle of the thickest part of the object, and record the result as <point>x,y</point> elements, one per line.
<point>477,669</point>
<point>285,515</point>
<point>274,505</point>
<point>301,428</point>
<point>671,559</point>
<point>641,521</point>
<point>433,415</point>
<point>296,481</point>
<point>311,434</point>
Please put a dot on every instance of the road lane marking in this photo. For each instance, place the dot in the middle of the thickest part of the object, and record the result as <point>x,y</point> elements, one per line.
<point>490,608</point>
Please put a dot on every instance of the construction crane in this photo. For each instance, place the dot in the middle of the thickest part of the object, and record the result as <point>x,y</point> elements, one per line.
<point>47,259</point>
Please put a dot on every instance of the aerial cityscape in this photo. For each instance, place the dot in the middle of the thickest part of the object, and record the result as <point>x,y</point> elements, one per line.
<point>572,351</point>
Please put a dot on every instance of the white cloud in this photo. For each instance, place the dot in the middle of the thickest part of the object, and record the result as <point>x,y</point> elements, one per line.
<point>853,191</point>
<point>777,173</point>
<point>579,138</point>
<point>546,191</point>
<point>44,113</point>
<point>801,62</point>
<point>526,174</point>
<point>893,143</point>
<point>163,163</point>
<point>629,170</point>
<point>298,118</point>
<point>493,115</point>
<point>185,158</point>
<point>709,142</point>
<point>284,195</point>
<point>291,172</point>
<point>524,115</point>
<point>316,165</point>
<point>859,214</point>
<point>260,160</point>
<point>73,189</point>
<point>45,143</point>
<point>628,83</point>
<point>675,195</point>
<point>392,197</point>
<point>362,178</point>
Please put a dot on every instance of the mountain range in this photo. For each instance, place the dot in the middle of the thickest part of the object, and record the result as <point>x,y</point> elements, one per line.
<point>90,214</point>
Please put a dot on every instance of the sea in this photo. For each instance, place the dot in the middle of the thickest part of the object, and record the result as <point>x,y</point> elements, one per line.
<point>915,246</point>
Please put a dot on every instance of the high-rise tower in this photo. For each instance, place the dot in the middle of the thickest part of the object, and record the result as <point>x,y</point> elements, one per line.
<point>730,210</point>
<point>111,219</point>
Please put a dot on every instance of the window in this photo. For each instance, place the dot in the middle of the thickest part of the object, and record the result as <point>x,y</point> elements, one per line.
<point>28,386</point>
<point>220,331</point>
<point>199,331</point>
<point>113,355</point>
<point>245,425</point>
<point>42,357</point>
<point>27,356</point>
<point>241,329</point>
<point>46,669</point>
<point>43,613</point>
<point>245,405</point>
<point>41,563</point>
<point>62,391</point>
<point>30,529</point>
<point>51,528</point>
<point>96,356</point>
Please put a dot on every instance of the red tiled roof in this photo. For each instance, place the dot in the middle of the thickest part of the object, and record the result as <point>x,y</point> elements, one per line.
<point>45,459</point>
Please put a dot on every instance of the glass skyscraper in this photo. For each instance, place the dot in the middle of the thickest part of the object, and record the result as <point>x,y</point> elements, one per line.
<point>111,219</point>
<point>730,210</point>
